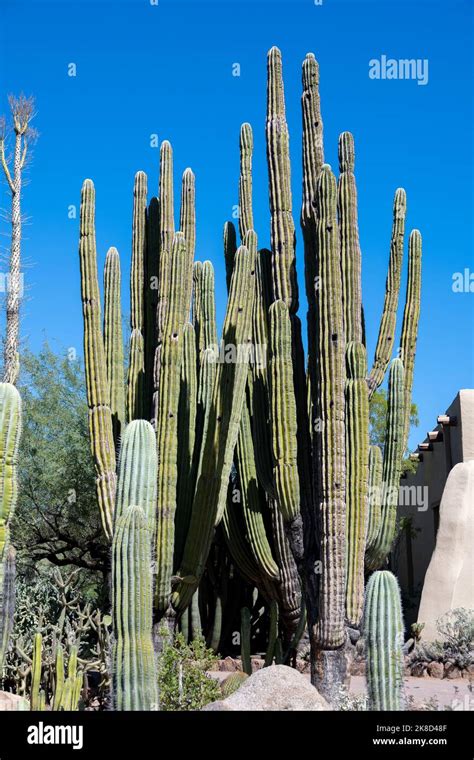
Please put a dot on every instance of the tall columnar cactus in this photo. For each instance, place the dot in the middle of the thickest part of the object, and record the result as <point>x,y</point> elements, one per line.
<point>136,369</point>
<point>296,447</point>
<point>411,316</point>
<point>98,390</point>
<point>134,673</point>
<point>357,446</point>
<point>285,286</point>
<point>113,340</point>
<point>187,225</point>
<point>350,248</point>
<point>245,181</point>
<point>10,432</point>
<point>383,633</point>
<point>168,361</point>
<point>329,439</point>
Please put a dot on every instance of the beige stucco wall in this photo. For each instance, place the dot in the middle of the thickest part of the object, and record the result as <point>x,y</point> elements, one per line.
<point>425,512</point>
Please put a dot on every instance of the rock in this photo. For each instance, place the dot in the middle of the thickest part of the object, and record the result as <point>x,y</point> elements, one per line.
<point>257,663</point>
<point>10,701</point>
<point>452,671</point>
<point>358,668</point>
<point>303,666</point>
<point>275,688</point>
<point>230,665</point>
<point>418,670</point>
<point>436,669</point>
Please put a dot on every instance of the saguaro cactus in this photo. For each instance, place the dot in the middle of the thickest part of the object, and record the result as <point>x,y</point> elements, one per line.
<point>133,657</point>
<point>383,633</point>
<point>10,432</point>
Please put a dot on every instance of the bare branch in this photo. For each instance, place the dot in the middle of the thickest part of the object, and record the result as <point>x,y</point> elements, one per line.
<point>23,111</point>
<point>5,165</point>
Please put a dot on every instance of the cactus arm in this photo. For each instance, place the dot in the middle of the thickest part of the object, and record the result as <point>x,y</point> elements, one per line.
<point>98,391</point>
<point>187,226</point>
<point>384,347</point>
<point>136,372</point>
<point>245,181</point>
<point>383,633</point>
<point>166,234</point>
<point>285,286</point>
<point>375,491</point>
<point>411,316</point>
<point>350,246</point>
<point>392,461</point>
<point>113,341</point>
<point>357,459</point>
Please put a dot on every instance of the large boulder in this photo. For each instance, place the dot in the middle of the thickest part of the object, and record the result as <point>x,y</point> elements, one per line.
<point>275,688</point>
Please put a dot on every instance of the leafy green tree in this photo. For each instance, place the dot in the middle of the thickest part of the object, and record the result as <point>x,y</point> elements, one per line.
<point>378,417</point>
<point>57,518</point>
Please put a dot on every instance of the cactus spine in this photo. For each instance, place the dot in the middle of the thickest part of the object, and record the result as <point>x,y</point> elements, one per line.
<point>383,632</point>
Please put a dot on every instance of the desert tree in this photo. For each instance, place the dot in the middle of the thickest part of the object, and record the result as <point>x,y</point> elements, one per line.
<point>22,113</point>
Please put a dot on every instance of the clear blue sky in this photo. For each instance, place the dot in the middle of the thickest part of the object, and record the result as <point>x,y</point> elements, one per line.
<point>167,69</point>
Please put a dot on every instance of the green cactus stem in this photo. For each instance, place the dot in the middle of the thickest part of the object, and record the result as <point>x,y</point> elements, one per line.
<point>384,347</point>
<point>135,680</point>
<point>350,246</point>
<point>411,316</point>
<point>357,458</point>
<point>137,470</point>
<point>98,391</point>
<point>113,341</point>
<point>285,286</point>
<point>136,372</point>
<point>392,461</point>
<point>329,438</point>
<point>383,633</point>
<point>245,640</point>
